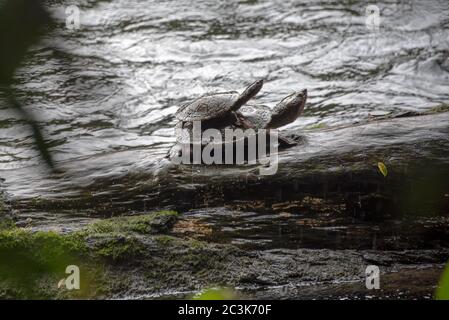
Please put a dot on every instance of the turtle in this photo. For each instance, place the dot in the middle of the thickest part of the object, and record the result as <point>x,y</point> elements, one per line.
<point>263,117</point>
<point>285,112</point>
<point>218,109</point>
<point>258,117</point>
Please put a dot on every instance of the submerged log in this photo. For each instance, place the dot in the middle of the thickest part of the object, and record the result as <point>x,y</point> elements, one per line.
<point>333,168</point>
<point>337,165</point>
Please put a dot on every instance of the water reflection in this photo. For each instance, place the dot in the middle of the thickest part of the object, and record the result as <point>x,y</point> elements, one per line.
<point>133,62</point>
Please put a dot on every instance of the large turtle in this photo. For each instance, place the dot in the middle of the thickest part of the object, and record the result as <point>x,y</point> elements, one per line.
<point>218,109</point>
<point>285,112</point>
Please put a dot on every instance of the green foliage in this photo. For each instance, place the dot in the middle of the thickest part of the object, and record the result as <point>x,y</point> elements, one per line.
<point>442,291</point>
<point>382,168</point>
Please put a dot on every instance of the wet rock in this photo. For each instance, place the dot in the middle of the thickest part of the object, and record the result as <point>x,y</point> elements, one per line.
<point>127,258</point>
<point>24,223</point>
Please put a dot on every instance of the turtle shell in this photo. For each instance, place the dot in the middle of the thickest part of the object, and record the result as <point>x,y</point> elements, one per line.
<point>208,107</point>
<point>258,115</point>
<point>184,134</point>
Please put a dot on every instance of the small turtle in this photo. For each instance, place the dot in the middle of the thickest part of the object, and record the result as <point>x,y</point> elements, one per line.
<point>285,112</point>
<point>263,117</point>
<point>218,109</point>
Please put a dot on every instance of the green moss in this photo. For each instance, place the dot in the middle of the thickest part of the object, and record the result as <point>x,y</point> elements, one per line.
<point>316,126</point>
<point>2,206</point>
<point>111,254</point>
<point>6,224</point>
<point>197,256</point>
<point>118,248</point>
<point>5,221</point>
<point>166,240</point>
<point>56,244</point>
<point>144,224</point>
<point>439,109</point>
<point>196,244</point>
<point>32,263</point>
<point>217,294</point>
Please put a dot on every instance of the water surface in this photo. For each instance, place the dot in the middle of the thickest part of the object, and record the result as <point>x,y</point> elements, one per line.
<point>106,94</point>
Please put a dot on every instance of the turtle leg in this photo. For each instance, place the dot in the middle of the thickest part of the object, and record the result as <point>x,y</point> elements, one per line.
<point>241,121</point>
<point>286,142</point>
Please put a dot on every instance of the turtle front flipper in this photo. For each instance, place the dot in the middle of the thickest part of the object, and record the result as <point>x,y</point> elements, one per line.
<point>242,121</point>
<point>248,94</point>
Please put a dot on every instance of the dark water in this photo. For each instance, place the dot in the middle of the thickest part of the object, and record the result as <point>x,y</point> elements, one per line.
<point>106,93</point>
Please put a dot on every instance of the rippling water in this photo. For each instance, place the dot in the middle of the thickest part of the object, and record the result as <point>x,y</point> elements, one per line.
<point>106,93</point>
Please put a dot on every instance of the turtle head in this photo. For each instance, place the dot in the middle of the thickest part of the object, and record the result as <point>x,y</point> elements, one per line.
<point>288,109</point>
<point>248,93</point>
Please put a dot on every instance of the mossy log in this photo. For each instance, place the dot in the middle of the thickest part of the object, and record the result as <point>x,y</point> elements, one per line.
<point>138,257</point>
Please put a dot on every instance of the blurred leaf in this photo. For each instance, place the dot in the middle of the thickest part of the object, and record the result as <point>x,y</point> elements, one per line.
<point>382,168</point>
<point>442,291</point>
<point>216,294</point>
<point>38,137</point>
<point>22,23</point>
